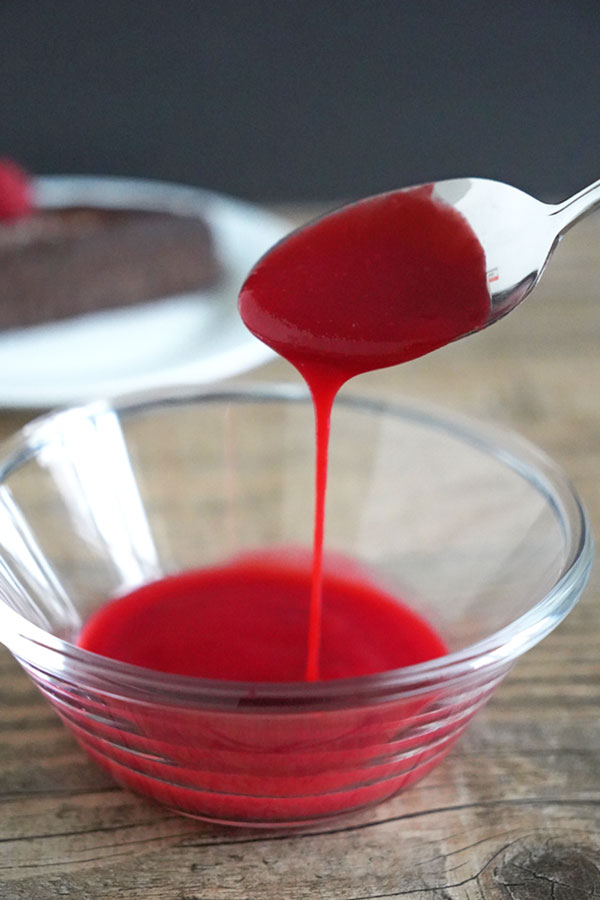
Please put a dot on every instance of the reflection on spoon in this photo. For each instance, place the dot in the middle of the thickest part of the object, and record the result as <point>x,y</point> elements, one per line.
<point>517,232</point>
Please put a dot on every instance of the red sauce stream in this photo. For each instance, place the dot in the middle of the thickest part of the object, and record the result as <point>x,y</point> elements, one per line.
<point>378,283</point>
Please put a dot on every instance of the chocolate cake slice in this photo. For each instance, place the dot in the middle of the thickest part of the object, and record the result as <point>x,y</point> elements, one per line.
<point>60,263</point>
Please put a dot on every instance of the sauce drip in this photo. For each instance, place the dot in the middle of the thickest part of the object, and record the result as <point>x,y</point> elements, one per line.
<point>375,284</point>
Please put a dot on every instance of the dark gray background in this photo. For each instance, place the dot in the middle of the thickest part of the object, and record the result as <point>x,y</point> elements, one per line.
<point>305,100</point>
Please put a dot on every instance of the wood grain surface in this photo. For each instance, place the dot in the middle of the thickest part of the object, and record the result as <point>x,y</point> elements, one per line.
<point>514,811</point>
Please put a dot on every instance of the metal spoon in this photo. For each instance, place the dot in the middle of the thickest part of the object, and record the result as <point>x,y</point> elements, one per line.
<point>517,232</point>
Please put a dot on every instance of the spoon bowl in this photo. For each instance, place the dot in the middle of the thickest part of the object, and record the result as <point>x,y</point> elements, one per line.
<point>397,275</point>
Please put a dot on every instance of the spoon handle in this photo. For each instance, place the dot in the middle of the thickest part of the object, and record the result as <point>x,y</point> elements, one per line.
<point>570,211</point>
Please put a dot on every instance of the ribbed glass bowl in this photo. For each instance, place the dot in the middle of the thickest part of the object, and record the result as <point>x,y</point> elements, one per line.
<point>473,527</point>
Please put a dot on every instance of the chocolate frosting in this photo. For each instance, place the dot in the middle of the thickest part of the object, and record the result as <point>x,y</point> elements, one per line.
<point>59,263</point>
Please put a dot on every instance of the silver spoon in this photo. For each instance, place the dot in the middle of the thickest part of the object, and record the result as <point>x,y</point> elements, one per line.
<point>517,232</point>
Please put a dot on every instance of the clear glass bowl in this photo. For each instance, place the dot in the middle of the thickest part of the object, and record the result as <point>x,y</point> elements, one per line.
<point>476,529</point>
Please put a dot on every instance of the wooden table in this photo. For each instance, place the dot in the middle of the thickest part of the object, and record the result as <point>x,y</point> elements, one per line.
<point>514,811</point>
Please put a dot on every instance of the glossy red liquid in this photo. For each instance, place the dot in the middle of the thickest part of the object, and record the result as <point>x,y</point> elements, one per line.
<point>378,283</point>
<point>240,760</point>
<point>247,621</point>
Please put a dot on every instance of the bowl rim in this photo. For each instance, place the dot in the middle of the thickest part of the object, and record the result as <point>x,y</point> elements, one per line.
<point>36,648</point>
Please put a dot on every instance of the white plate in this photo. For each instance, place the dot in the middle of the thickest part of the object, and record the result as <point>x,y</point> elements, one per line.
<point>195,338</point>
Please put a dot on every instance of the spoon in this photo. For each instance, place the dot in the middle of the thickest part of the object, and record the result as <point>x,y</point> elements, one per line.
<point>391,277</point>
<point>517,232</point>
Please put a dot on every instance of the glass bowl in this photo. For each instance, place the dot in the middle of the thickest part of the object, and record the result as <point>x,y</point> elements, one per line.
<point>474,528</point>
